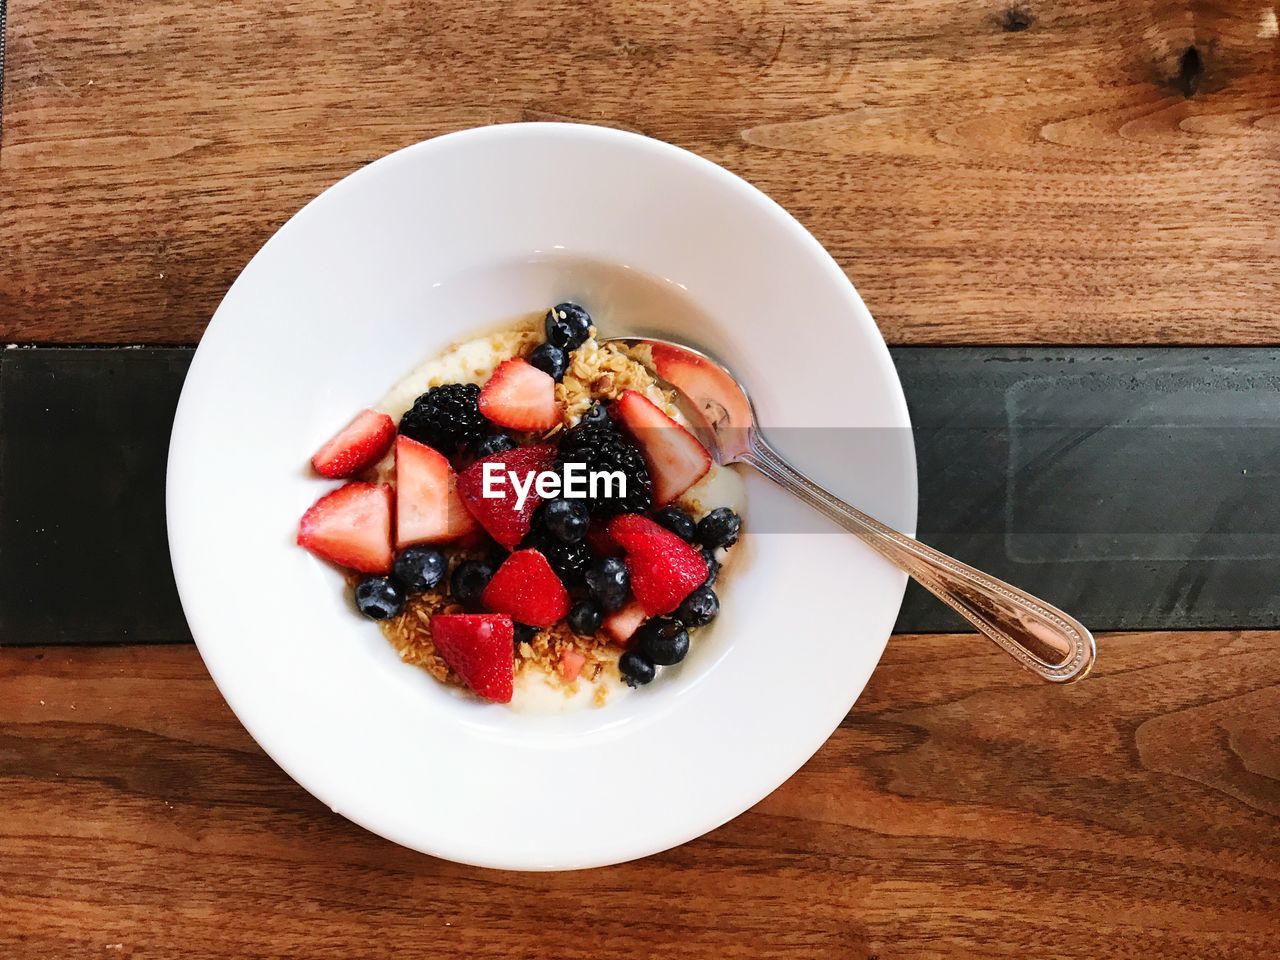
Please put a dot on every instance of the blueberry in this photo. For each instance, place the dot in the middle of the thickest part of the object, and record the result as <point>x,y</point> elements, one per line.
<point>566,520</point>
<point>495,443</point>
<point>419,568</point>
<point>677,521</point>
<point>379,597</point>
<point>609,581</point>
<point>585,617</point>
<point>663,640</point>
<point>524,633</point>
<point>698,608</point>
<point>598,415</point>
<point>636,668</point>
<point>468,582</point>
<point>713,566</point>
<point>719,528</point>
<point>567,326</point>
<point>550,359</point>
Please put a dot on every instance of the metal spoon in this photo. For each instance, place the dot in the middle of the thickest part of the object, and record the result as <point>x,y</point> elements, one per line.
<point>1042,638</point>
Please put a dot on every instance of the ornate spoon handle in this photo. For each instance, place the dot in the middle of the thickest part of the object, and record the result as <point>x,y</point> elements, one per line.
<point>1042,638</point>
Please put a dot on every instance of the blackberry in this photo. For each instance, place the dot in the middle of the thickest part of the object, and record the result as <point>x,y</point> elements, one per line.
<point>568,560</point>
<point>599,447</point>
<point>446,418</point>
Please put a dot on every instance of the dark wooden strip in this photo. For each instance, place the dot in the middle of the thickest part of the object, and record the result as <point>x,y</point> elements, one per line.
<point>1129,486</point>
<point>1134,487</point>
<point>84,435</point>
<point>964,809</point>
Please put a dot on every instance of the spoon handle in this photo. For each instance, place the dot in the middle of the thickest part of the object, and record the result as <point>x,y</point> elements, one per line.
<point>1042,638</point>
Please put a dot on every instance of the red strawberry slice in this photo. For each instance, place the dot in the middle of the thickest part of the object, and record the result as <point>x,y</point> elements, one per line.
<point>479,647</point>
<point>521,397</point>
<point>675,458</point>
<point>499,515</point>
<point>718,400</point>
<point>428,508</point>
<point>357,446</point>
<point>664,569</point>
<point>528,589</point>
<point>351,526</point>
<point>623,622</point>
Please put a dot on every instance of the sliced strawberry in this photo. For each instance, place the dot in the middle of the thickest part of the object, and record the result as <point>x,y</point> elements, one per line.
<point>623,622</point>
<point>357,446</point>
<point>428,508</point>
<point>499,515</point>
<point>675,458</point>
<point>528,589</point>
<point>718,400</point>
<point>351,526</point>
<point>571,664</point>
<point>479,647</point>
<point>521,397</point>
<point>664,569</point>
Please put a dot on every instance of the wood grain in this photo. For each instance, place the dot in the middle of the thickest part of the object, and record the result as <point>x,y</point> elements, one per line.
<point>962,810</point>
<point>1095,171</point>
<point>1092,171</point>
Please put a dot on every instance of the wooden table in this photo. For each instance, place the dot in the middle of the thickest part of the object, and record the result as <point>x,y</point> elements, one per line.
<point>1091,172</point>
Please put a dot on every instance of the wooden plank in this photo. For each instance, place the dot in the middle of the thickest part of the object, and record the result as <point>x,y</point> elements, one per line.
<point>1095,171</point>
<point>1128,486</point>
<point>4,34</point>
<point>963,809</point>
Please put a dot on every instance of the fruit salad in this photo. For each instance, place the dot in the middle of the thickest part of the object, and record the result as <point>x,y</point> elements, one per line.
<point>528,518</point>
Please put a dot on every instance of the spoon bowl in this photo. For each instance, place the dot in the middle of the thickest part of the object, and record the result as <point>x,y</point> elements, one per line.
<point>1044,639</point>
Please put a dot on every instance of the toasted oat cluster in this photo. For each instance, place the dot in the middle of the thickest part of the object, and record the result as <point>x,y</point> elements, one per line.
<point>528,512</point>
<point>602,372</point>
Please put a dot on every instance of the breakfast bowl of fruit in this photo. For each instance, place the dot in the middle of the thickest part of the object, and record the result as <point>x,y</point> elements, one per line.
<point>529,517</point>
<point>454,547</point>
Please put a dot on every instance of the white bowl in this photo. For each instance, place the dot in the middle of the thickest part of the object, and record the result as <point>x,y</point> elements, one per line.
<point>424,247</point>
